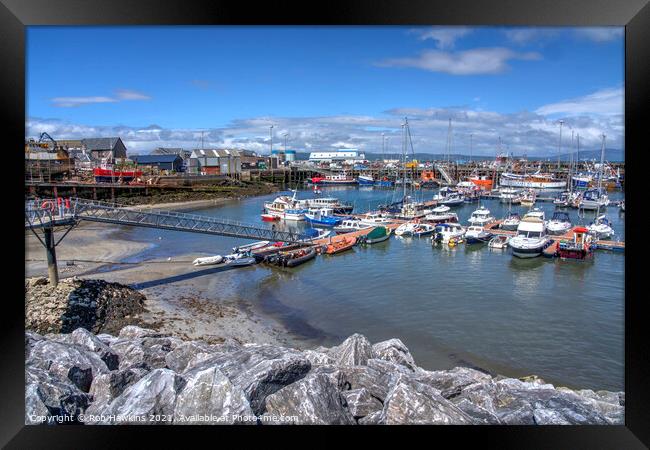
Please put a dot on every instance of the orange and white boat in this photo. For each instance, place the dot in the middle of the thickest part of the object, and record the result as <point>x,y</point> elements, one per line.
<point>340,246</point>
<point>482,182</point>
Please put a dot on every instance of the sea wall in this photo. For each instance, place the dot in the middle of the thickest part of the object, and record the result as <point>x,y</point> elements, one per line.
<point>140,375</point>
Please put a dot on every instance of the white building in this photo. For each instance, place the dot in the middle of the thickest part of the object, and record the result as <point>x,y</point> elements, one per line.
<point>345,154</point>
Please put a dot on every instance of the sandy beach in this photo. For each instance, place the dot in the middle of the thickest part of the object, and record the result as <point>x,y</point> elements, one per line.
<point>180,297</point>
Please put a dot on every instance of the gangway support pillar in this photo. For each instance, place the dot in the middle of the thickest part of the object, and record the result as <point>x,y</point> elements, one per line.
<point>50,249</point>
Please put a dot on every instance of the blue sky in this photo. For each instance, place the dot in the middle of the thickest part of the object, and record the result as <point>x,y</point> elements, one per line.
<point>327,87</point>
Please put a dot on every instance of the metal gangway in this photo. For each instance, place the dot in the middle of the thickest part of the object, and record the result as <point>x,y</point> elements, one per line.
<point>99,211</point>
<point>444,173</point>
<point>47,214</point>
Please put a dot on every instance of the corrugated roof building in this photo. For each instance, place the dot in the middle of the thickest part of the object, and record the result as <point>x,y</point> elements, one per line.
<point>215,162</point>
<point>163,162</point>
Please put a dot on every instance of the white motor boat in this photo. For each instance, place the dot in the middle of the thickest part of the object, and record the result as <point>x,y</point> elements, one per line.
<point>560,223</point>
<point>249,247</point>
<point>511,222</point>
<point>239,259</point>
<point>445,231</point>
<point>316,234</point>
<point>593,200</point>
<point>600,228</point>
<point>441,214</point>
<point>507,195</point>
<point>375,219</point>
<point>499,242</point>
<point>414,229</point>
<point>563,200</point>
<point>453,199</point>
<point>208,260</point>
<point>477,234</point>
<point>481,217</point>
<point>531,238</point>
<point>350,225</point>
<point>535,212</point>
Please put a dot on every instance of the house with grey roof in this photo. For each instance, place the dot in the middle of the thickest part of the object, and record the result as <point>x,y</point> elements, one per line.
<point>111,148</point>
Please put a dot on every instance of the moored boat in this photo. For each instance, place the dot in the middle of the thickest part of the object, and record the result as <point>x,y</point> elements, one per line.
<point>579,246</point>
<point>511,222</point>
<point>560,223</point>
<point>322,216</point>
<point>499,242</point>
<point>293,258</point>
<point>481,216</point>
<point>441,214</point>
<point>446,231</point>
<point>208,260</point>
<point>350,225</point>
<point>476,234</point>
<point>340,245</point>
<point>536,181</point>
<point>601,228</point>
<point>377,234</point>
<point>531,238</point>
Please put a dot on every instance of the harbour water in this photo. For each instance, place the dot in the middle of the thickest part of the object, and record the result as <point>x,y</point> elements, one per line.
<point>561,320</point>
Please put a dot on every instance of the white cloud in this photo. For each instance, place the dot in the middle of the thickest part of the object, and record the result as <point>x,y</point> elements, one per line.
<point>445,37</point>
<point>69,102</point>
<point>125,94</point>
<point>469,62</point>
<point>533,133</point>
<point>608,101</point>
<point>601,34</point>
<point>120,95</point>
<point>528,35</point>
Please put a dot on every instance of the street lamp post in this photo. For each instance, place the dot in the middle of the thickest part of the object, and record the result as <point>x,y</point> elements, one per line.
<point>271,136</point>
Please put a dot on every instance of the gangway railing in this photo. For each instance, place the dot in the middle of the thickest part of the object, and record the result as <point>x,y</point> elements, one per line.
<point>43,212</point>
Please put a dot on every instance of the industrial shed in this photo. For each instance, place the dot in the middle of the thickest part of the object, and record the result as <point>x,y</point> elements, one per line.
<point>172,163</point>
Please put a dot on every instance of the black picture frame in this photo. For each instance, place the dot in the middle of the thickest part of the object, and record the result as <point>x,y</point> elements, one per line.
<point>15,15</point>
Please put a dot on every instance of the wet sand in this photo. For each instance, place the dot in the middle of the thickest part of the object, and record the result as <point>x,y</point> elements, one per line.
<point>178,298</point>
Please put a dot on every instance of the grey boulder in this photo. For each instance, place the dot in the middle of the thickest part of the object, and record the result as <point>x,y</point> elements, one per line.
<point>210,394</point>
<point>361,403</point>
<point>354,351</point>
<point>74,362</point>
<point>313,400</point>
<point>149,401</point>
<point>395,351</point>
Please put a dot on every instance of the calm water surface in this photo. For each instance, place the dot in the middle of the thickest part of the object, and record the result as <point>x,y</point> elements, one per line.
<point>561,320</point>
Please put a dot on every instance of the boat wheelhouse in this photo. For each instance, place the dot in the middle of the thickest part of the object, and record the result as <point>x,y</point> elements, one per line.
<point>350,225</point>
<point>481,216</point>
<point>579,246</point>
<point>441,214</point>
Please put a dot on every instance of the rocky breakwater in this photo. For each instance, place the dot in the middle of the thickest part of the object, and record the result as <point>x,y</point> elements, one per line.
<point>143,376</point>
<point>96,305</point>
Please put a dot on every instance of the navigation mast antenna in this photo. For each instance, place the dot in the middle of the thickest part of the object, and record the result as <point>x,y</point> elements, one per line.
<point>559,148</point>
<point>471,136</point>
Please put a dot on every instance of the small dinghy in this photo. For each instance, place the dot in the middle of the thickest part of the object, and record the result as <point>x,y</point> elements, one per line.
<point>250,247</point>
<point>499,242</point>
<point>239,259</point>
<point>340,246</point>
<point>208,260</point>
<point>295,257</point>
